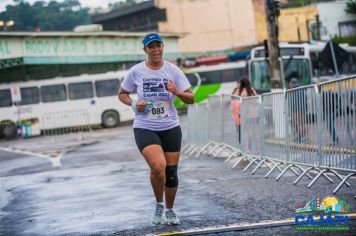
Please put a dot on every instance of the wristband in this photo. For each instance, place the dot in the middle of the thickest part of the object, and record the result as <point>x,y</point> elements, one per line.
<point>133,105</point>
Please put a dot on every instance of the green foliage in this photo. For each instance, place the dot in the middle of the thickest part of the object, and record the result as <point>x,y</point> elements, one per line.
<point>349,40</point>
<point>351,7</point>
<point>301,3</point>
<point>52,16</point>
<point>122,4</point>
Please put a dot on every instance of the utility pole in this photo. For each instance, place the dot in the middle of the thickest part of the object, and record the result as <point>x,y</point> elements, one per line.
<point>317,27</point>
<point>272,10</point>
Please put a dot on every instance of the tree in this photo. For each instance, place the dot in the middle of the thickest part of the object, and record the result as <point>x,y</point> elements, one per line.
<point>301,3</point>
<point>122,4</point>
<point>351,7</point>
<point>52,16</point>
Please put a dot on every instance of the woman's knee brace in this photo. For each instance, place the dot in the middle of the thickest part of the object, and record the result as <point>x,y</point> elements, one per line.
<point>171,176</point>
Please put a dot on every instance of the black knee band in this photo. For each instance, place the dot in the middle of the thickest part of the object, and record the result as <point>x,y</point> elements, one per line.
<point>171,176</point>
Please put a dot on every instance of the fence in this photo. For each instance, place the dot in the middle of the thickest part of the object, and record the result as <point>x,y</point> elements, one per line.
<point>52,123</point>
<point>309,130</point>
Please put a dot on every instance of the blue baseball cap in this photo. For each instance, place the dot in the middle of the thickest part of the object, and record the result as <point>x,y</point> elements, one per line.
<point>151,37</point>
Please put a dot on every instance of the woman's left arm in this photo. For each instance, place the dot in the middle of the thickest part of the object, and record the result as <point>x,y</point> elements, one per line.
<point>186,96</point>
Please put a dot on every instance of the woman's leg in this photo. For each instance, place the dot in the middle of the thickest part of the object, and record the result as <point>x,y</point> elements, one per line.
<point>172,159</point>
<point>156,160</point>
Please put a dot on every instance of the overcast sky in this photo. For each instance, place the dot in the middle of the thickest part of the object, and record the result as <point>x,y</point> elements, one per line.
<point>85,3</point>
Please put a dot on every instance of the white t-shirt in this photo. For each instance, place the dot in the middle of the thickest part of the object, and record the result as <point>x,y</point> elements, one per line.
<point>150,85</point>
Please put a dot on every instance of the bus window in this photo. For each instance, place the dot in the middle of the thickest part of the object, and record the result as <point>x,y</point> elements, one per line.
<point>210,77</point>
<point>306,72</point>
<point>80,90</point>
<point>260,75</point>
<point>229,75</point>
<point>296,68</point>
<point>5,98</point>
<point>53,93</point>
<point>192,78</point>
<point>30,95</point>
<point>348,66</point>
<point>105,88</point>
<point>314,63</point>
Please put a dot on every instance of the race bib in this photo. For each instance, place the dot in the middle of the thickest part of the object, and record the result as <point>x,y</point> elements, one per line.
<point>159,110</point>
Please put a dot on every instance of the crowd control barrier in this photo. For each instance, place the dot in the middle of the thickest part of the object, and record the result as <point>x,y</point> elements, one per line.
<point>309,130</point>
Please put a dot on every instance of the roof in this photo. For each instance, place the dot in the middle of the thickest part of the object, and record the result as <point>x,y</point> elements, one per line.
<point>123,11</point>
<point>81,34</point>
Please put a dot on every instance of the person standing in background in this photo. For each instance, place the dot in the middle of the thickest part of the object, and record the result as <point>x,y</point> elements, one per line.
<point>243,89</point>
<point>330,106</point>
<point>298,110</point>
<point>156,125</point>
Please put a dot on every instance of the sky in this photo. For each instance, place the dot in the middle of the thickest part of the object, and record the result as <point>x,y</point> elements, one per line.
<point>85,3</point>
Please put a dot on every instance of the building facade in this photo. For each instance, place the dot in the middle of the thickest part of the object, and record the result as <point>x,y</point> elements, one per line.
<point>210,25</point>
<point>223,25</point>
<point>293,22</point>
<point>335,21</point>
<point>43,55</point>
<point>204,25</point>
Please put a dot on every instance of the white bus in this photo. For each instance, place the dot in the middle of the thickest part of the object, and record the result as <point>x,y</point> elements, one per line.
<point>215,79</point>
<point>92,99</point>
<point>298,61</point>
<point>64,102</point>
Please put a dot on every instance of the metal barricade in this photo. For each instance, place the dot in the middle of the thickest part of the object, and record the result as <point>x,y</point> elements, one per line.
<point>338,123</point>
<point>231,120</point>
<point>197,128</point>
<point>301,129</point>
<point>273,143</point>
<point>215,119</point>
<point>190,129</point>
<point>250,125</point>
<point>309,128</point>
<point>57,123</point>
<point>215,125</point>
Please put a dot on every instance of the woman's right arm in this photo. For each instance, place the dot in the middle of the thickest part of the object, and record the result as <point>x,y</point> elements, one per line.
<point>124,97</point>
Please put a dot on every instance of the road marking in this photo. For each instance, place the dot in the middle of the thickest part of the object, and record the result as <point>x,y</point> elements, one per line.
<point>54,159</point>
<point>240,227</point>
<point>54,156</point>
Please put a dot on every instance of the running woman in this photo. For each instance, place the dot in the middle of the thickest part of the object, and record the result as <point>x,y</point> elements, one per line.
<point>156,125</point>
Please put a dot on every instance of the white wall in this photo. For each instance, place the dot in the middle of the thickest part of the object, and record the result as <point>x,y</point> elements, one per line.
<point>330,14</point>
<point>210,25</point>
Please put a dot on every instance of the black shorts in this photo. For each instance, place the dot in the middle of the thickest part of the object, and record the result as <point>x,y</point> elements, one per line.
<point>170,140</point>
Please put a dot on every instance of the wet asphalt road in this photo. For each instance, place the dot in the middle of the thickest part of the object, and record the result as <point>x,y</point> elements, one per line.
<point>97,183</point>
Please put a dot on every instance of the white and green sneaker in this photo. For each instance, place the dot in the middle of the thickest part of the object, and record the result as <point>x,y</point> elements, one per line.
<point>172,218</point>
<point>158,215</point>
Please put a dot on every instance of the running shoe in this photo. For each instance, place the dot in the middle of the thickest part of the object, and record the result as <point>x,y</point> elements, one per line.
<point>172,218</point>
<point>158,215</point>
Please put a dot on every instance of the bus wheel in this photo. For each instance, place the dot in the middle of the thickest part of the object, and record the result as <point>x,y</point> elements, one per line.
<point>110,119</point>
<point>8,130</point>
